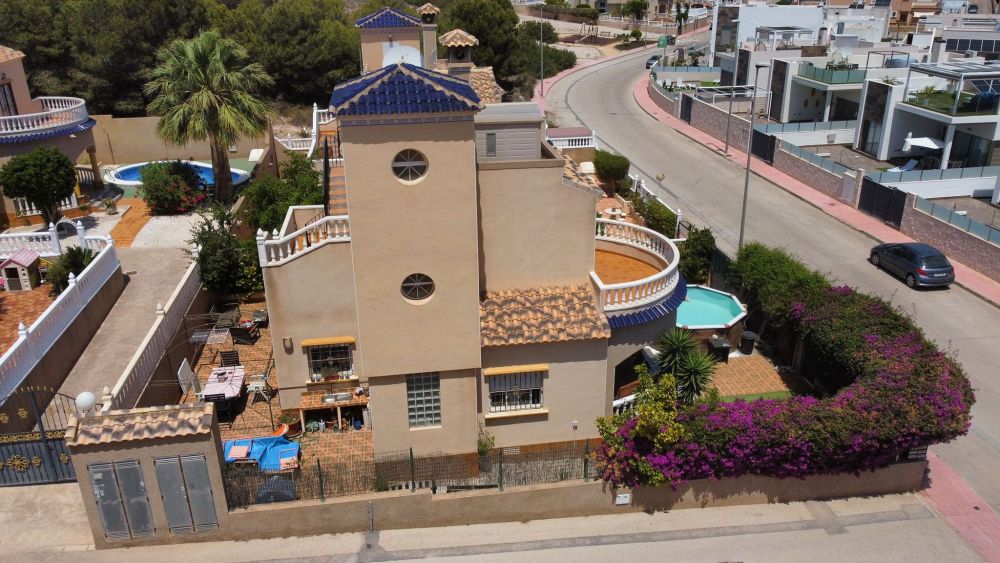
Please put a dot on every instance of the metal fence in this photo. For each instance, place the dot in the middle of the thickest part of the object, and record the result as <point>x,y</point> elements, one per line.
<point>935,174</point>
<point>958,220</point>
<point>806,126</point>
<point>245,485</point>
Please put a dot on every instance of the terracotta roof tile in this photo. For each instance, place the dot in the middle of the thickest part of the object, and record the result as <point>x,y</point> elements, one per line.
<point>458,38</point>
<point>140,424</point>
<point>548,314</point>
<point>7,54</point>
<point>428,8</point>
<point>485,84</point>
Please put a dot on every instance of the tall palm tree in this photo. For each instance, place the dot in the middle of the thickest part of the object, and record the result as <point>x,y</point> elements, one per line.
<point>206,88</point>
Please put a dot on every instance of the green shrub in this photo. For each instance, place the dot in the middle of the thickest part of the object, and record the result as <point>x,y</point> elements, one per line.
<point>43,176</point>
<point>674,346</point>
<point>660,218</point>
<point>585,11</point>
<point>696,255</point>
<point>228,266</point>
<point>170,188</point>
<point>269,198</point>
<point>73,261</point>
<point>610,167</point>
<point>774,280</point>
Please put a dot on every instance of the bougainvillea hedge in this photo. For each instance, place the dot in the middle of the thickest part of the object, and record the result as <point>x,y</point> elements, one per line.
<point>901,392</point>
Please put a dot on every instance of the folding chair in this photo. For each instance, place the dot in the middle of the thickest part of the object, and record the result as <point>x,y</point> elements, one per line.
<point>230,358</point>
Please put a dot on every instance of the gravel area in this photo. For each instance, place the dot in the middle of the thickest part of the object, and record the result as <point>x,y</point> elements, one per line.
<point>166,232</point>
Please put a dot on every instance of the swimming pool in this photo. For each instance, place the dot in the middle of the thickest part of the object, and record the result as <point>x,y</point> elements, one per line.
<point>131,175</point>
<point>707,308</point>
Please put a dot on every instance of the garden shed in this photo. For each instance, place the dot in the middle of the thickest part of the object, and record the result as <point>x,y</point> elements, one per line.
<point>20,271</point>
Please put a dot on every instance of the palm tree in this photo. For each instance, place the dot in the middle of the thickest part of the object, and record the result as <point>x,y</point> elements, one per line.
<point>206,88</point>
<point>675,345</point>
<point>694,375</point>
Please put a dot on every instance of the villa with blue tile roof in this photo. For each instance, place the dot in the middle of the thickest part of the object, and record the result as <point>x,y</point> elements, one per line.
<point>27,123</point>
<point>457,274</point>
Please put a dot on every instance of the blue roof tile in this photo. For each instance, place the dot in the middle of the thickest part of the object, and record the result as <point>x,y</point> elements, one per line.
<point>386,19</point>
<point>48,134</point>
<point>657,311</point>
<point>403,88</point>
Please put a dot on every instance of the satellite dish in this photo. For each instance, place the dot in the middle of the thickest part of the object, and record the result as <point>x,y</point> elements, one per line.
<point>401,54</point>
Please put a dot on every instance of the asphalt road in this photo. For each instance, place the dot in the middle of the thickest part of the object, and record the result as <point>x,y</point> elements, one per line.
<point>708,189</point>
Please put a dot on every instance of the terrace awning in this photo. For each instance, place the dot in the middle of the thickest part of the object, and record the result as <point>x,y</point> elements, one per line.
<point>922,142</point>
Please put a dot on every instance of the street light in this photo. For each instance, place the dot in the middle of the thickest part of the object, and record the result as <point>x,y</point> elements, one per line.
<point>746,177</point>
<point>541,51</point>
<point>732,93</point>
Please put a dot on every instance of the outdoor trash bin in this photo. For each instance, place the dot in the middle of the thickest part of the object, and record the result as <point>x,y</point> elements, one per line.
<point>746,344</point>
<point>719,348</point>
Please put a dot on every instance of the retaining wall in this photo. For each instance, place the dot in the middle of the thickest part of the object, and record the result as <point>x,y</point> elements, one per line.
<point>712,120</point>
<point>970,250</point>
<point>817,178</point>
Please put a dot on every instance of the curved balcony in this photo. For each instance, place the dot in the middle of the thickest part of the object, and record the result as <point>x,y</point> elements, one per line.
<point>644,260</point>
<point>58,112</point>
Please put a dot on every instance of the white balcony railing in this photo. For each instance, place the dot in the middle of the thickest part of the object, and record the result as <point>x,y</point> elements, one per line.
<point>574,142</point>
<point>24,207</point>
<point>624,404</point>
<point>295,143</point>
<point>56,112</point>
<point>647,291</point>
<point>280,250</point>
<point>34,342</point>
<point>45,243</point>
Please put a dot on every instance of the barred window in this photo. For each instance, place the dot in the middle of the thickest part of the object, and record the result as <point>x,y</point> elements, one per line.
<point>423,399</point>
<point>515,391</point>
<point>409,165</point>
<point>332,361</point>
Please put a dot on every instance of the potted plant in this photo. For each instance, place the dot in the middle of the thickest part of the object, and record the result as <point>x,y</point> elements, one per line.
<point>110,206</point>
<point>484,446</point>
<point>293,421</point>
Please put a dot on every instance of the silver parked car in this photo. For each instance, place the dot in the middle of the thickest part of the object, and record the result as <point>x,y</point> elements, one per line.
<point>918,263</point>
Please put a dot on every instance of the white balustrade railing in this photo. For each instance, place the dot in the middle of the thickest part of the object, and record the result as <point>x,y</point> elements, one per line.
<point>23,207</point>
<point>574,142</point>
<point>45,243</point>
<point>624,404</point>
<point>649,290</point>
<point>84,175</point>
<point>34,342</point>
<point>56,112</point>
<point>295,143</point>
<point>324,116</point>
<point>139,371</point>
<point>277,250</point>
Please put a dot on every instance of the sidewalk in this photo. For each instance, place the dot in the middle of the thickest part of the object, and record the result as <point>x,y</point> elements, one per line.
<point>955,503</point>
<point>965,276</point>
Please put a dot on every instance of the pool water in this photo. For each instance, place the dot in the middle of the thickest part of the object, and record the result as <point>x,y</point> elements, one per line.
<point>133,173</point>
<point>707,308</point>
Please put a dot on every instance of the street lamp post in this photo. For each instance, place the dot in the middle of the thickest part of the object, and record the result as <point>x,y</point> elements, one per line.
<point>746,177</point>
<point>541,51</point>
<point>732,93</point>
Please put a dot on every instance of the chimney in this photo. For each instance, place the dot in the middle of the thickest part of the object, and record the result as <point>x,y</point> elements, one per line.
<point>459,45</point>
<point>428,17</point>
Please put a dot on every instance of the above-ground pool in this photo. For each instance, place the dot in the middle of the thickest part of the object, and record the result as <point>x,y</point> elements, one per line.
<point>706,308</point>
<point>130,175</point>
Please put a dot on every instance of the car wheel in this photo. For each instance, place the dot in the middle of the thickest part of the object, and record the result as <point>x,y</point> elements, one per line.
<point>874,259</point>
<point>911,280</point>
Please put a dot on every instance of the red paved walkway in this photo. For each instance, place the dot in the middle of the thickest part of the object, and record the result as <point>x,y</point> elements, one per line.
<point>955,502</point>
<point>964,275</point>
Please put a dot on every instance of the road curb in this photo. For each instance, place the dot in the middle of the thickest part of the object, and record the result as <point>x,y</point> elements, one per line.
<point>642,83</point>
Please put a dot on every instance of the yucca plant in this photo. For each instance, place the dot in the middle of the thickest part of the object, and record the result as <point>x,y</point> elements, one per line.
<point>675,345</point>
<point>73,261</point>
<point>694,376</point>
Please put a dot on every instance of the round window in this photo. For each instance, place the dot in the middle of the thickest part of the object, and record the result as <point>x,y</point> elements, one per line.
<point>409,165</point>
<point>417,287</point>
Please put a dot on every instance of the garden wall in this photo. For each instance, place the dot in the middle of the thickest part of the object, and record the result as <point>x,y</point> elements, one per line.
<point>661,101</point>
<point>817,178</point>
<point>955,243</point>
<point>712,120</point>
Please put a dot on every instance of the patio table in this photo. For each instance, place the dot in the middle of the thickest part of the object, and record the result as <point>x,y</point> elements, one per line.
<point>227,381</point>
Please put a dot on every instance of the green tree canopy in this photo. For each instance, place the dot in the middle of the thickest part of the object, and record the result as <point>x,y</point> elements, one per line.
<point>529,30</point>
<point>43,176</point>
<point>635,9</point>
<point>269,198</point>
<point>226,265</point>
<point>206,88</point>
<point>493,22</point>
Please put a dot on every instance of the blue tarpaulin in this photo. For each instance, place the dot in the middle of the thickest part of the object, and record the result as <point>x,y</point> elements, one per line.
<point>266,451</point>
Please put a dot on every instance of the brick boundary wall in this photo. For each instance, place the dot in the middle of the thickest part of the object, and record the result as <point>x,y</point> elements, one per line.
<point>712,120</point>
<point>662,101</point>
<point>817,178</point>
<point>968,249</point>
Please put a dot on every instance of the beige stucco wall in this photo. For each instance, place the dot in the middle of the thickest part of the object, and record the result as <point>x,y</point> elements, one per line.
<point>374,43</point>
<point>310,296</point>
<point>126,140</point>
<point>574,389</point>
<point>629,340</point>
<point>459,420</point>
<point>14,69</point>
<point>536,231</point>
<point>429,227</point>
<point>145,452</point>
<point>74,147</point>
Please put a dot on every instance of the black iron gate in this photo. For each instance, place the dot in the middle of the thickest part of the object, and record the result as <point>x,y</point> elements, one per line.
<point>686,103</point>
<point>886,203</point>
<point>32,438</point>
<point>763,145</point>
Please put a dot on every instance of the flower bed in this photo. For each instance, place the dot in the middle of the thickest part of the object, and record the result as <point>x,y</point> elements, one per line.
<point>896,391</point>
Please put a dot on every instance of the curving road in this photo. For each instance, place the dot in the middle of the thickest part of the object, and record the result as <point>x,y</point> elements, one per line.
<point>708,189</point>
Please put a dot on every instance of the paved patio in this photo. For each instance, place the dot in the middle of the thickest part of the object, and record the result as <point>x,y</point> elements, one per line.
<point>21,306</point>
<point>612,267</point>
<point>751,375</point>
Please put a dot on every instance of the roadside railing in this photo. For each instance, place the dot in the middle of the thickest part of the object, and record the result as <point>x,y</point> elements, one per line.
<point>57,111</point>
<point>649,290</point>
<point>274,252</point>
<point>139,371</point>
<point>935,174</point>
<point>958,220</point>
<point>35,341</point>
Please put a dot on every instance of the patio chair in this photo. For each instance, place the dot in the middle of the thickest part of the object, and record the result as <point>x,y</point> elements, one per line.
<point>258,386</point>
<point>243,335</point>
<point>912,164</point>
<point>223,405</point>
<point>230,358</point>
